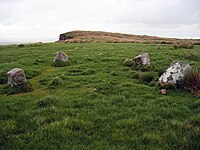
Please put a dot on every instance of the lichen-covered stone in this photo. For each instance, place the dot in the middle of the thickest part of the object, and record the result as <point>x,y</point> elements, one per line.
<point>16,77</point>
<point>61,57</point>
<point>142,59</point>
<point>175,72</point>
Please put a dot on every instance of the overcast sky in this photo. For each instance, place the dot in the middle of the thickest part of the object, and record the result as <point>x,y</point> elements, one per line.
<point>44,20</point>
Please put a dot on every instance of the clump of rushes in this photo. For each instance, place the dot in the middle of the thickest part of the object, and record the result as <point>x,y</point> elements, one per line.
<point>146,77</point>
<point>56,82</point>
<point>184,44</point>
<point>152,83</point>
<point>191,82</point>
<point>3,77</point>
<point>158,46</point>
<point>167,85</point>
<point>161,71</point>
<point>60,64</point>
<point>191,55</point>
<point>135,75</point>
<point>143,68</point>
<point>22,88</point>
<point>176,45</point>
<point>128,62</point>
<point>47,101</point>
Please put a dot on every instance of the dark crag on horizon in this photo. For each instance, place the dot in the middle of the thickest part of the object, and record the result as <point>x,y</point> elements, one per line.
<point>99,36</point>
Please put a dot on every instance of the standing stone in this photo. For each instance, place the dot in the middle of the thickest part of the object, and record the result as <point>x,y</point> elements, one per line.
<point>61,57</point>
<point>142,59</point>
<point>16,77</point>
<point>175,72</point>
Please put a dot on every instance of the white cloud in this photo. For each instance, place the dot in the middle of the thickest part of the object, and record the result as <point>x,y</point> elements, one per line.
<point>41,20</point>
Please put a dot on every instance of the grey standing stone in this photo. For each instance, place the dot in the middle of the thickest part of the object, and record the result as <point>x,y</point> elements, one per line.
<point>16,76</point>
<point>142,59</point>
<point>61,57</point>
<point>175,72</point>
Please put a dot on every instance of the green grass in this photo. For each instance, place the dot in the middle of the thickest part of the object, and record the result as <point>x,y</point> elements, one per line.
<point>100,103</point>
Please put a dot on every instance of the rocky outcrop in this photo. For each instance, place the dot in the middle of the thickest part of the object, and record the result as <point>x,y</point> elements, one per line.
<point>61,57</point>
<point>16,77</point>
<point>65,36</point>
<point>142,59</point>
<point>98,36</point>
<point>175,72</point>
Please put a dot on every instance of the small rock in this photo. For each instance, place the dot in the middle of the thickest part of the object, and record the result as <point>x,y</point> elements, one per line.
<point>163,91</point>
<point>16,76</point>
<point>61,57</point>
<point>142,59</point>
<point>175,72</point>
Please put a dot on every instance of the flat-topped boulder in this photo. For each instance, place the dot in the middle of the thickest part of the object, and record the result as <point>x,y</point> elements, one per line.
<point>16,77</point>
<point>175,72</point>
<point>142,59</point>
<point>61,57</point>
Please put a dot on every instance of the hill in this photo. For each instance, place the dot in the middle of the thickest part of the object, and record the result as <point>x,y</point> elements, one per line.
<point>98,36</point>
<point>95,102</point>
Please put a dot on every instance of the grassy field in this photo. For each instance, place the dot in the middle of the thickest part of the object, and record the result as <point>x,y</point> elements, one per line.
<point>96,102</point>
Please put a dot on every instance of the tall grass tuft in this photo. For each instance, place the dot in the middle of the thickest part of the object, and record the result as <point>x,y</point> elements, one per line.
<point>146,77</point>
<point>191,55</point>
<point>60,64</point>
<point>128,62</point>
<point>47,101</point>
<point>184,44</point>
<point>23,88</point>
<point>56,82</point>
<point>3,77</point>
<point>191,82</point>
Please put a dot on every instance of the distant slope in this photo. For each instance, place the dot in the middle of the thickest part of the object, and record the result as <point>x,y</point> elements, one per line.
<point>99,36</point>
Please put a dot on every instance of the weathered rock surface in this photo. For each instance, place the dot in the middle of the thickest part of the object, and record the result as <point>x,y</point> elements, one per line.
<point>16,76</point>
<point>65,36</point>
<point>61,57</point>
<point>175,72</point>
<point>142,59</point>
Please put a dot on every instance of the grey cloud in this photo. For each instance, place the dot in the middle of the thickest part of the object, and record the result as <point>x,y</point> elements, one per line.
<point>47,18</point>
